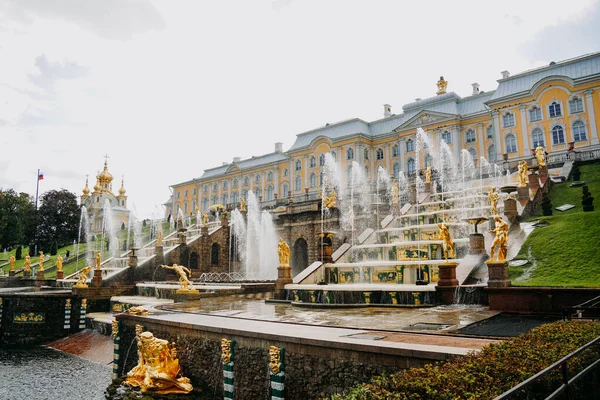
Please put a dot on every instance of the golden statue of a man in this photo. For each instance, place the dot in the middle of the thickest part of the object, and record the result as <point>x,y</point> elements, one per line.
<point>242,204</point>
<point>41,261</point>
<point>283,251</point>
<point>158,369</point>
<point>540,155</point>
<point>493,198</point>
<point>82,278</point>
<point>59,263</point>
<point>98,261</point>
<point>159,239</point>
<point>442,84</point>
<point>330,201</point>
<point>447,244</point>
<point>11,261</point>
<point>183,272</point>
<point>204,219</point>
<point>522,176</point>
<point>501,239</point>
<point>27,264</point>
<point>428,174</point>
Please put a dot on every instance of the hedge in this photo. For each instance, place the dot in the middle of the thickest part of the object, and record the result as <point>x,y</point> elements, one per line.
<point>495,369</point>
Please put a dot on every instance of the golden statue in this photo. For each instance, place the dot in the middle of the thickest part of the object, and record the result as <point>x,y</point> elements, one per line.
<point>226,351</point>
<point>115,328</point>
<point>159,239</point>
<point>138,310</point>
<point>442,84</point>
<point>98,259</point>
<point>501,239</point>
<point>82,278</point>
<point>493,198</point>
<point>11,261</point>
<point>27,264</point>
<point>283,251</point>
<point>330,201</point>
<point>182,271</point>
<point>522,177</point>
<point>540,155</point>
<point>395,199</point>
<point>242,204</point>
<point>275,359</point>
<point>448,244</point>
<point>59,261</point>
<point>41,261</point>
<point>158,369</point>
<point>428,174</point>
<point>204,219</point>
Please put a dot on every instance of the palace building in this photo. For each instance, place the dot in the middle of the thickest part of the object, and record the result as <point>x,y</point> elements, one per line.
<point>556,106</point>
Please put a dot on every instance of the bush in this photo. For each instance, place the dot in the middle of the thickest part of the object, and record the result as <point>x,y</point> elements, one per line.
<point>19,253</point>
<point>494,370</point>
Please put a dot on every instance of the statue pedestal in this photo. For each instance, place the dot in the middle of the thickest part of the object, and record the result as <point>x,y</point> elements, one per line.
<point>182,238</point>
<point>543,173</point>
<point>523,193</point>
<point>498,274</point>
<point>97,279</point>
<point>427,188</point>
<point>284,276</point>
<point>477,243</point>
<point>534,181</point>
<point>132,261</point>
<point>60,274</point>
<point>39,275</point>
<point>510,209</point>
<point>11,273</point>
<point>26,274</point>
<point>187,291</point>
<point>326,252</point>
<point>447,273</point>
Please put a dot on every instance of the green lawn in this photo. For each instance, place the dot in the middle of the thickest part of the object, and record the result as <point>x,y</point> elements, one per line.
<point>566,251</point>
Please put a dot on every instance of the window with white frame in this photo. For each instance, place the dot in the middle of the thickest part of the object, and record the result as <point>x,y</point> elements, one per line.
<point>537,137</point>
<point>313,180</point>
<point>508,120</point>
<point>194,205</point>
<point>473,153</point>
<point>535,114</point>
<point>410,145</point>
<point>558,135</point>
<point>575,105</point>
<point>185,207</point>
<point>298,183</point>
<point>490,131</point>
<point>313,162</point>
<point>470,136</point>
<point>256,178</point>
<point>510,143</point>
<point>366,155</point>
<point>205,188</point>
<point>269,176</point>
<point>225,199</point>
<point>245,194</point>
<point>350,154</point>
<point>285,172</point>
<point>214,200</point>
<point>215,187</point>
<point>379,154</point>
<point>204,204</point>
<point>257,193</point>
<point>246,180</point>
<point>579,131</point>
<point>322,160</point>
<point>367,172</point>
<point>411,166</point>
<point>235,182</point>
<point>185,193</point>
<point>554,110</point>
<point>321,178</point>
<point>194,192</point>
<point>285,189</point>
<point>178,194</point>
<point>333,155</point>
<point>447,137</point>
<point>270,192</point>
<point>298,165</point>
<point>235,197</point>
<point>492,153</point>
<point>225,185</point>
<point>395,151</point>
<point>396,170</point>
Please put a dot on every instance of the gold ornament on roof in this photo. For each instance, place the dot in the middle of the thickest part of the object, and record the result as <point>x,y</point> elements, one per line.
<point>105,176</point>
<point>86,189</point>
<point>442,84</point>
<point>122,188</point>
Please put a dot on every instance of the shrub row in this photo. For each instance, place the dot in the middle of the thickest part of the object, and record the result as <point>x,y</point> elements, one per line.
<point>492,371</point>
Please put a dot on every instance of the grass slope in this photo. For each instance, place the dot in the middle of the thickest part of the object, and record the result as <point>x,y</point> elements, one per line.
<point>566,252</point>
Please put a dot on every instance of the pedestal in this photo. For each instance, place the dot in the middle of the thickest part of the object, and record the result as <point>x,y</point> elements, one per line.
<point>60,274</point>
<point>543,173</point>
<point>284,276</point>
<point>534,181</point>
<point>11,273</point>
<point>477,243</point>
<point>427,188</point>
<point>447,272</point>
<point>498,274</point>
<point>97,279</point>
<point>39,275</point>
<point>182,238</point>
<point>523,193</point>
<point>132,261</point>
<point>326,252</point>
<point>510,209</point>
<point>26,274</point>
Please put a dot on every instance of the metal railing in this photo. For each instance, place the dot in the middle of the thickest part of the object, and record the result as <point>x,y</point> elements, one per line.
<point>567,383</point>
<point>591,308</point>
<point>222,277</point>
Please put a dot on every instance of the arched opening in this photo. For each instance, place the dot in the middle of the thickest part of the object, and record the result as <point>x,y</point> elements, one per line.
<point>299,259</point>
<point>214,254</point>
<point>194,260</point>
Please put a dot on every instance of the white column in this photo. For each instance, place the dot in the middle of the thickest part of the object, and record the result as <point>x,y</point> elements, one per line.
<point>359,153</point>
<point>291,177</point>
<point>276,182</point>
<point>438,145</point>
<point>402,146</point>
<point>497,145</point>
<point>229,185</point>
<point>590,110</point>
<point>372,159</point>
<point>524,133</point>
<point>456,145</point>
<point>479,133</point>
<point>305,184</point>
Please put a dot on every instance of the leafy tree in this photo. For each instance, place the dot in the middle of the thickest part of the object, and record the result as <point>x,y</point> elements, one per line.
<point>53,249</point>
<point>19,253</point>
<point>17,218</point>
<point>58,219</point>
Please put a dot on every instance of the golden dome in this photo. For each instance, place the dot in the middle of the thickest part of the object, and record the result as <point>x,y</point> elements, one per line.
<point>104,176</point>
<point>122,189</point>
<point>86,190</point>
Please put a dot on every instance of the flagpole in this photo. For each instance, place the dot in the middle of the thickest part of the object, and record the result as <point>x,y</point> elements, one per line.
<point>37,188</point>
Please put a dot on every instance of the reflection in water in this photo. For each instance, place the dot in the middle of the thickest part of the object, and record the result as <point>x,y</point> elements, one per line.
<point>40,373</point>
<point>385,318</point>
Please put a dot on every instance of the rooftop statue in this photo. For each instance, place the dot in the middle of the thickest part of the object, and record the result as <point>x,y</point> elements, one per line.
<point>442,85</point>
<point>540,155</point>
<point>158,369</point>
<point>493,198</point>
<point>501,239</point>
<point>448,244</point>
<point>283,250</point>
<point>182,271</point>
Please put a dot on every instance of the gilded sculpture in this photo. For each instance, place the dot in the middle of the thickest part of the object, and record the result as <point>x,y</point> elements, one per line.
<point>59,263</point>
<point>275,359</point>
<point>442,85</point>
<point>522,175</point>
<point>493,198</point>
<point>82,278</point>
<point>183,272</point>
<point>98,261</point>
<point>204,219</point>
<point>226,351</point>
<point>447,243</point>
<point>27,264</point>
<point>540,155</point>
<point>501,239</point>
<point>395,193</point>
<point>159,239</point>
<point>158,369</point>
<point>242,204</point>
<point>41,261</point>
<point>11,261</point>
<point>330,200</point>
<point>115,328</point>
<point>283,251</point>
<point>428,174</point>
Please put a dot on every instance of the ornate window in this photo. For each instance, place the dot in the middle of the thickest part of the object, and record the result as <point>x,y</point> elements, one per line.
<point>473,154</point>
<point>185,193</point>
<point>270,192</point>
<point>205,188</point>
<point>410,145</point>
<point>395,151</point>
<point>313,162</point>
<point>575,105</point>
<point>225,185</point>
<point>246,180</point>
<point>492,153</point>
<point>194,192</point>
<point>537,137</point>
<point>285,172</point>
<point>285,189</point>
<point>379,154</point>
<point>428,160</point>
<point>214,200</point>
<point>256,178</point>
<point>508,120</point>
<point>510,143</point>
<point>558,135</point>
<point>367,172</point>
<point>257,193</point>
<point>579,131</point>
<point>322,159</point>
<point>313,180</point>
<point>554,109</point>
<point>298,183</point>
<point>235,197</point>
<point>185,207</point>
<point>235,182</point>
<point>535,114</point>
<point>215,187</point>
<point>396,170</point>
<point>245,194</point>
<point>204,204</point>
<point>321,178</point>
<point>225,199</point>
<point>194,205</point>
<point>366,157</point>
<point>490,131</point>
<point>411,166</point>
<point>269,176</point>
<point>350,154</point>
<point>470,136</point>
<point>298,165</point>
<point>447,137</point>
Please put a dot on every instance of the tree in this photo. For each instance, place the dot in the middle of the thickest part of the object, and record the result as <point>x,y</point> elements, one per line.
<point>17,218</point>
<point>19,253</point>
<point>58,219</point>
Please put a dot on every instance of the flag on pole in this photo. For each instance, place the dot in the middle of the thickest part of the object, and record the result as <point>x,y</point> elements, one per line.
<point>40,176</point>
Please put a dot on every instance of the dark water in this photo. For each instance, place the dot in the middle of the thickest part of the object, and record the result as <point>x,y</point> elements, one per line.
<point>37,373</point>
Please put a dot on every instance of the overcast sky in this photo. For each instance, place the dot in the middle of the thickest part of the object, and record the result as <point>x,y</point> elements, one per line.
<point>170,88</point>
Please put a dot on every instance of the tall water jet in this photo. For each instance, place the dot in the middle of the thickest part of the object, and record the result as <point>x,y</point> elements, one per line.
<point>108,230</point>
<point>261,242</point>
<point>238,239</point>
<point>84,236</point>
